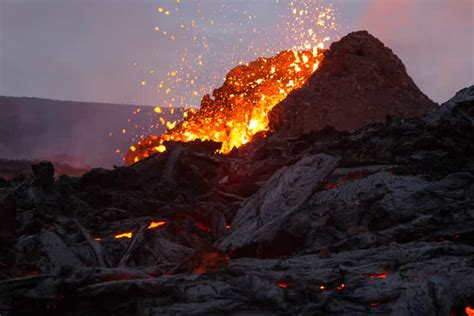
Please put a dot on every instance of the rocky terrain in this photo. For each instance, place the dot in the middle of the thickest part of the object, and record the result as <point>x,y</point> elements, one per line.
<point>377,220</point>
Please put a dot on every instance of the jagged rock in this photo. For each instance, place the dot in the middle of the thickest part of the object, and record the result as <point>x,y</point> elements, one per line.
<point>361,213</point>
<point>374,221</point>
<point>59,254</point>
<point>418,278</point>
<point>359,81</point>
<point>462,104</point>
<point>264,217</point>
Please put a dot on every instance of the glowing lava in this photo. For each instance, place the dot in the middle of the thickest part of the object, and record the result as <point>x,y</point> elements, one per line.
<point>127,235</point>
<point>382,275</point>
<point>239,109</point>
<point>154,224</point>
<point>469,311</point>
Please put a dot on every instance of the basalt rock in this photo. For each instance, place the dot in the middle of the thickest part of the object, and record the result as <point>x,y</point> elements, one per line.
<point>359,81</point>
<point>351,223</point>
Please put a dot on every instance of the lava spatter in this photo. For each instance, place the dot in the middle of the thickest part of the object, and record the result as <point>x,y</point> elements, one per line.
<point>239,109</point>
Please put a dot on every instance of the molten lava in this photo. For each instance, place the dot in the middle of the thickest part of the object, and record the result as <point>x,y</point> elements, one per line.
<point>154,224</point>
<point>239,109</point>
<point>382,275</point>
<point>469,311</point>
<point>340,287</point>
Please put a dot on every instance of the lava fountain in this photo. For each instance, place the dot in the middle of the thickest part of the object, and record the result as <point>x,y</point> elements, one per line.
<point>239,109</point>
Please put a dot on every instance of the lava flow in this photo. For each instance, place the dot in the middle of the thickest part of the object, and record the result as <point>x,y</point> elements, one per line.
<point>239,109</point>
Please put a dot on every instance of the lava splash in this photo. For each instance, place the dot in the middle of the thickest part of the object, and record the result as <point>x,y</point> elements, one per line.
<point>239,109</point>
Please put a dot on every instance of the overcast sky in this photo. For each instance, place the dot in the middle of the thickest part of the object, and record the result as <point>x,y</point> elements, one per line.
<point>85,50</point>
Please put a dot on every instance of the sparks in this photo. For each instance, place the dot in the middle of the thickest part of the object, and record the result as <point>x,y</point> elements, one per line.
<point>240,107</point>
<point>382,275</point>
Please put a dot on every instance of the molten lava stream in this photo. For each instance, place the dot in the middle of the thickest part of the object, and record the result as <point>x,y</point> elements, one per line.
<point>239,109</point>
<point>469,311</point>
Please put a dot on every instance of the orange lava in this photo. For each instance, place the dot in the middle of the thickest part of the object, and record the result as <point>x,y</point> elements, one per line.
<point>469,311</point>
<point>382,275</point>
<point>154,224</point>
<point>124,235</point>
<point>239,109</point>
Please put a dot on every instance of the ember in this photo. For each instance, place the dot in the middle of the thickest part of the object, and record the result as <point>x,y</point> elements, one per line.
<point>124,235</point>
<point>282,285</point>
<point>156,224</point>
<point>382,275</point>
<point>239,109</point>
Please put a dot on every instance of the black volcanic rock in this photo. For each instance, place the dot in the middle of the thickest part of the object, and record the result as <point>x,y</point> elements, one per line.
<point>379,220</point>
<point>359,81</point>
<point>385,180</point>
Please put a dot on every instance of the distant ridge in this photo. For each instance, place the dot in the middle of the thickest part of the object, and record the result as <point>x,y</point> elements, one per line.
<point>76,133</point>
<point>73,103</point>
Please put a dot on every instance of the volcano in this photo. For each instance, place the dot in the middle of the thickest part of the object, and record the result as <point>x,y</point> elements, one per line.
<point>359,81</point>
<point>354,197</point>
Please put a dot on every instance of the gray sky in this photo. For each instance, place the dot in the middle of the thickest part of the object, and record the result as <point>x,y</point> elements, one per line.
<point>85,50</point>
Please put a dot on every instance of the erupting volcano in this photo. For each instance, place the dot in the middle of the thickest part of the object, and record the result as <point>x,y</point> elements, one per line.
<point>318,181</point>
<point>239,109</point>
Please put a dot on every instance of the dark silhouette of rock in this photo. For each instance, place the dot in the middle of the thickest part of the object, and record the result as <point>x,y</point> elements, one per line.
<point>359,81</point>
<point>43,173</point>
<point>379,220</point>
